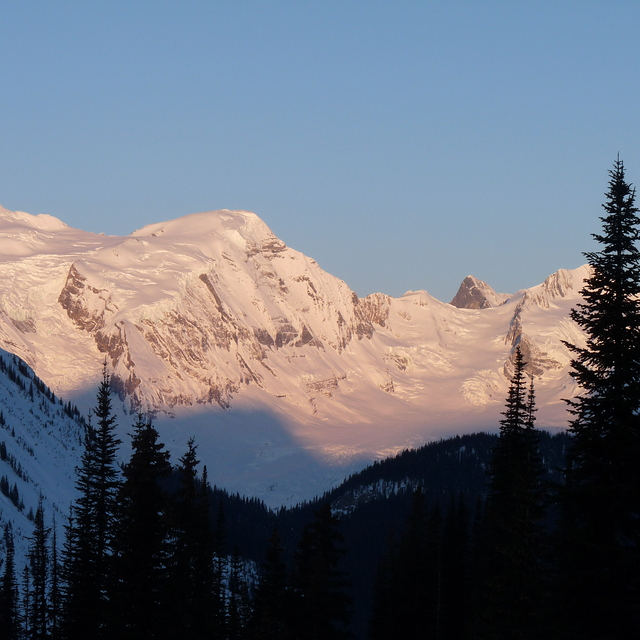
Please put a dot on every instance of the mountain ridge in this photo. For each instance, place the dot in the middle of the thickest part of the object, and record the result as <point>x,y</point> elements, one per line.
<point>212,324</point>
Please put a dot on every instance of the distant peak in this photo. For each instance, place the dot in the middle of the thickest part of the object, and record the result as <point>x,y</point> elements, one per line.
<point>248,224</point>
<point>477,294</point>
<point>41,221</point>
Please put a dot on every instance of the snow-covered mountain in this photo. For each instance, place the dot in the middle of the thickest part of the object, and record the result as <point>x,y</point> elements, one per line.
<point>40,445</point>
<point>286,378</point>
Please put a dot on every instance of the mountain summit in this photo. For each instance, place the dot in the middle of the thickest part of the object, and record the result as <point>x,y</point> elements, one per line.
<point>477,294</point>
<point>219,329</point>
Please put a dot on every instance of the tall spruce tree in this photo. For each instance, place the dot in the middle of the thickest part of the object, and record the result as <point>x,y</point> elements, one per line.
<point>10,628</point>
<point>432,612</point>
<point>455,582</point>
<point>272,603</point>
<point>600,554</point>
<point>422,589</point>
<point>513,533</point>
<point>193,585</point>
<point>323,606</point>
<point>382,623</point>
<point>402,593</point>
<point>89,545</point>
<point>238,604</point>
<point>25,605</point>
<point>141,540</point>
<point>39,564</point>
<point>54,591</point>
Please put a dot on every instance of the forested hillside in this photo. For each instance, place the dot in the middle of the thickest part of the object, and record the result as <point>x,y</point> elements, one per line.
<point>522,535</point>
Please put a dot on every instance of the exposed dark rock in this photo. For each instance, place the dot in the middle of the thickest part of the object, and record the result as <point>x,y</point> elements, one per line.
<point>127,388</point>
<point>373,309</point>
<point>269,248</point>
<point>515,325</point>
<point>326,386</point>
<point>74,299</point>
<point>249,374</point>
<point>476,294</point>
<point>207,281</point>
<point>285,334</point>
<point>221,396</point>
<point>401,362</point>
<point>307,339</point>
<point>263,337</point>
<point>24,326</point>
<point>536,360</point>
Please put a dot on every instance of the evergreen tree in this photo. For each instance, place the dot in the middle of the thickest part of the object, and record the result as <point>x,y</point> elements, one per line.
<point>9,619</point>
<point>431,612</point>
<point>195,598</point>
<point>455,587</point>
<point>220,531</point>
<point>38,557</point>
<point>141,540</point>
<point>271,619</point>
<point>54,593</point>
<point>422,588</point>
<point>385,599</point>
<point>600,553</point>
<point>409,592</point>
<point>513,546</point>
<point>322,606</point>
<point>238,606</point>
<point>89,545</point>
<point>212,573</point>
<point>25,612</point>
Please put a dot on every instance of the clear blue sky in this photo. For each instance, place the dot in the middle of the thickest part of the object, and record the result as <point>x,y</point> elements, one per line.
<point>403,145</point>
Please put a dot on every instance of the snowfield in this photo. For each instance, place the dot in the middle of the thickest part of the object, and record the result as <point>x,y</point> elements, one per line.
<point>287,380</point>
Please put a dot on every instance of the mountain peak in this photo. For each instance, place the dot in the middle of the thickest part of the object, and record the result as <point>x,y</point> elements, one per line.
<point>42,222</point>
<point>221,331</point>
<point>220,223</point>
<point>477,294</point>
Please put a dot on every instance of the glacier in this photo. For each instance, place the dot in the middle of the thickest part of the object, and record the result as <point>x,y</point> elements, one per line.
<point>287,380</point>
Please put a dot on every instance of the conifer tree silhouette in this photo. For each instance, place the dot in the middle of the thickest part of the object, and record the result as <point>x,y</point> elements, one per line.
<point>600,560</point>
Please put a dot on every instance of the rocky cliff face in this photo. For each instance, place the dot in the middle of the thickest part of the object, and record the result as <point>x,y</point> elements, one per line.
<point>219,328</point>
<point>477,294</point>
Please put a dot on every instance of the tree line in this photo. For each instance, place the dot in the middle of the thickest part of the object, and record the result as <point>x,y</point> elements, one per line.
<point>510,552</point>
<point>144,557</point>
<point>539,559</point>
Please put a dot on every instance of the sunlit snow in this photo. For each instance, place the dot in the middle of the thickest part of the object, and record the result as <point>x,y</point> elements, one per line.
<point>287,380</point>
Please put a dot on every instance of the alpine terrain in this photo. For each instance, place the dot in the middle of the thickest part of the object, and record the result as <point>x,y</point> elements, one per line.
<point>287,380</point>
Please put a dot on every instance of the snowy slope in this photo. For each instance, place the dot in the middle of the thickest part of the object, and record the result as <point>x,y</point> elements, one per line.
<point>287,379</point>
<point>40,446</point>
